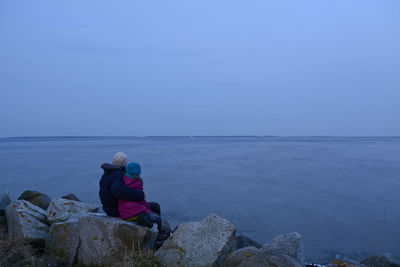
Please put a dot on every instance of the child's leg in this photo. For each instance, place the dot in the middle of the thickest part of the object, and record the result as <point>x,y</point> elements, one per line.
<point>155,218</point>
<point>142,219</point>
<point>155,207</point>
<point>162,234</point>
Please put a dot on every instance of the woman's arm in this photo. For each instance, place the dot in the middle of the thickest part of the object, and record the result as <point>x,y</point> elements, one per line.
<point>124,192</point>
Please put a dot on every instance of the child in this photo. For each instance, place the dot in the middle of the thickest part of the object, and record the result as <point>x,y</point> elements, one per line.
<point>134,210</point>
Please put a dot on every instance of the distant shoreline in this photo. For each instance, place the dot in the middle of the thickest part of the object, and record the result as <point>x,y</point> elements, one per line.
<point>199,136</point>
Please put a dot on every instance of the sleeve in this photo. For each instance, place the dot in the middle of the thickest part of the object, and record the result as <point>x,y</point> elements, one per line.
<point>124,192</point>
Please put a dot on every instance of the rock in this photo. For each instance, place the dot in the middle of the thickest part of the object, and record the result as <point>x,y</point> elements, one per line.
<point>61,209</point>
<point>384,260</point>
<point>289,244</point>
<point>36,198</point>
<point>205,243</point>
<point>283,250</point>
<point>93,238</point>
<point>254,257</point>
<point>244,241</point>
<point>344,262</point>
<point>27,220</point>
<point>71,197</point>
<point>4,202</point>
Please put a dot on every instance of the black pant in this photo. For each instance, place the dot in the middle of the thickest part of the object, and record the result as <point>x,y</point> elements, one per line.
<point>155,214</point>
<point>155,207</point>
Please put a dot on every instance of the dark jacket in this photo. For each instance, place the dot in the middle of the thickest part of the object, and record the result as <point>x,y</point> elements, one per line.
<point>112,189</point>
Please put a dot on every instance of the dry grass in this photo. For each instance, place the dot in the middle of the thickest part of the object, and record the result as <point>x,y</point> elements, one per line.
<point>138,257</point>
<point>15,251</point>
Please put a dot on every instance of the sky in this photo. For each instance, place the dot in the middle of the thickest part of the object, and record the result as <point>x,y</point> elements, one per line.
<point>227,67</point>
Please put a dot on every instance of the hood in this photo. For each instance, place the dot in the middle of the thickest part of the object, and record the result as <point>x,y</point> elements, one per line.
<point>133,168</point>
<point>109,167</point>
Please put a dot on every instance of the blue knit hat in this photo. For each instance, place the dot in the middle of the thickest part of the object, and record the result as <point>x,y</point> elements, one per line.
<point>133,168</point>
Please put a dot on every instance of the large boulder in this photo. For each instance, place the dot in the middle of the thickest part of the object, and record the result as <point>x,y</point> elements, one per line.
<point>205,243</point>
<point>4,202</point>
<point>289,244</point>
<point>61,209</point>
<point>93,238</point>
<point>383,260</point>
<point>254,257</point>
<point>36,198</point>
<point>28,221</point>
<point>283,250</point>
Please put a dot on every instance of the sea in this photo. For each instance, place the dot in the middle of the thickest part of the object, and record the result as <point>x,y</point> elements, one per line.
<point>342,194</point>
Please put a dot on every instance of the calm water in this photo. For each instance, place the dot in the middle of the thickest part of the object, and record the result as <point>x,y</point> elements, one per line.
<point>341,194</point>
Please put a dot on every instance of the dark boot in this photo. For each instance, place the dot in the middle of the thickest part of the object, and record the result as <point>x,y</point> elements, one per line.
<point>144,220</point>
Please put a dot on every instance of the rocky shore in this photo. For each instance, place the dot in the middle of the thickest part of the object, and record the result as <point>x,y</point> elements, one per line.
<point>75,233</point>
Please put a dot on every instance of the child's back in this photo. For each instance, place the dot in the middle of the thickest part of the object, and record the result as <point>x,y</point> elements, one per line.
<point>130,209</point>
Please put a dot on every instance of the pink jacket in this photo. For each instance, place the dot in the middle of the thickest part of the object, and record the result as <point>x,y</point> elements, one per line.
<point>129,209</point>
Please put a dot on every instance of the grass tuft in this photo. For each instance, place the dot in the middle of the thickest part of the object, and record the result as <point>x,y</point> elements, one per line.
<point>14,251</point>
<point>138,257</point>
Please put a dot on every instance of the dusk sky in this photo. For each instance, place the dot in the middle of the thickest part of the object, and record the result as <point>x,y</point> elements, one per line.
<point>138,68</point>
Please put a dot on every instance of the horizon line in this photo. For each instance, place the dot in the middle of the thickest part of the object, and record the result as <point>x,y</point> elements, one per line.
<point>201,136</point>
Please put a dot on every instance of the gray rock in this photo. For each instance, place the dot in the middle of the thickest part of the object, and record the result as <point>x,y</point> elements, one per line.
<point>36,198</point>
<point>205,243</point>
<point>27,220</point>
<point>71,197</point>
<point>244,241</point>
<point>254,257</point>
<point>342,261</point>
<point>384,260</point>
<point>93,238</point>
<point>289,244</point>
<point>61,209</point>
<point>4,202</point>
